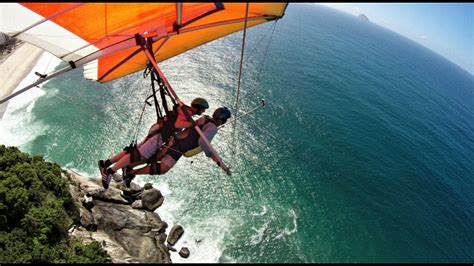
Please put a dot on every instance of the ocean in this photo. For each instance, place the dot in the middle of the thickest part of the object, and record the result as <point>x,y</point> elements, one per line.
<point>364,151</point>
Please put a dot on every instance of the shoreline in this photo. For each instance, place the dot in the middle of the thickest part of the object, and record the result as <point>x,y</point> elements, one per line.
<point>15,67</point>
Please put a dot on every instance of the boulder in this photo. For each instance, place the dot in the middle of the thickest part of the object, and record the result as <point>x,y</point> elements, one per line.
<point>175,233</point>
<point>184,252</point>
<point>151,198</point>
<point>148,186</point>
<point>117,177</point>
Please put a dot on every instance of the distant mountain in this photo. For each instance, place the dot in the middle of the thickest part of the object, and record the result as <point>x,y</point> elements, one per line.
<point>363,17</point>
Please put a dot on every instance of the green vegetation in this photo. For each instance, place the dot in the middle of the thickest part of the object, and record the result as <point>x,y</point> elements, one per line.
<point>8,46</point>
<point>36,211</point>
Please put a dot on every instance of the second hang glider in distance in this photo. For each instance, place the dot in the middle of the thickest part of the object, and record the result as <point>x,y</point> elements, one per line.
<point>112,40</point>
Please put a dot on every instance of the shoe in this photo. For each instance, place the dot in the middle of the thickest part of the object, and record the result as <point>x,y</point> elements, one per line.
<point>106,178</point>
<point>127,180</point>
<point>126,170</point>
<point>127,176</point>
<point>101,168</point>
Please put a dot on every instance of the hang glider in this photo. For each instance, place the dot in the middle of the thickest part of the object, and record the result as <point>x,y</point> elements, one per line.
<point>112,40</point>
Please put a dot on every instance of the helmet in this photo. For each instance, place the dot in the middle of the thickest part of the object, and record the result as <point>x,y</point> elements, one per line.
<point>222,113</point>
<point>200,103</point>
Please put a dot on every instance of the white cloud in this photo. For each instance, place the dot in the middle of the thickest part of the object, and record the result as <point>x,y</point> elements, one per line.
<point>423,37</point>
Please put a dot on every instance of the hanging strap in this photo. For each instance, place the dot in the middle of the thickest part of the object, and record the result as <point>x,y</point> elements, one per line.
<point>240,76</point>
<point>159,115</point>
<point>162,94</point>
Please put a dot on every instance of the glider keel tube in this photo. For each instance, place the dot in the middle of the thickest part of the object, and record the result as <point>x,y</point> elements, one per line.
<point>41,80</point>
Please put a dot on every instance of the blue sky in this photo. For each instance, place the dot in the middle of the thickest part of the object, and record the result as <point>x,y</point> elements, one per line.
<point>445,28</point>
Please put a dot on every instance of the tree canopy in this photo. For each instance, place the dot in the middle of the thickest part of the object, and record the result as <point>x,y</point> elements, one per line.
<point>36,211</point>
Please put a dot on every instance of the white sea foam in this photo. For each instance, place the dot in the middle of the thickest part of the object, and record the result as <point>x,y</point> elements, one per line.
<point>18,126</point>
<point>287,231</point>
<point>273,222</point>
<point>260,232</point>
<point>204,239</point>
<point>203,236</point>
<point>263,211</point>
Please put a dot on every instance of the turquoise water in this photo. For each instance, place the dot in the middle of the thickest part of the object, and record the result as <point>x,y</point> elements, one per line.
<point>364,152</point>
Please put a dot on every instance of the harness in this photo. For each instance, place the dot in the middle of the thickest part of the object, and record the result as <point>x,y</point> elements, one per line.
<point>193,139</point>
<point>164,123</point>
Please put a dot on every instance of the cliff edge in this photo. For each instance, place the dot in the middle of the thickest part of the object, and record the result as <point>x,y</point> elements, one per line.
<point>123,220</point>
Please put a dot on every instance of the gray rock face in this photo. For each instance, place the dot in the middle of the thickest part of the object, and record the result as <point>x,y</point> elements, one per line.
<point>3,38</point>
<point>129,235</point>
<point>137,204</point>
<point>87,220</point>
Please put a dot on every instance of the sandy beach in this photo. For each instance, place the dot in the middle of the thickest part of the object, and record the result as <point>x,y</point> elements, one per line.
<point>15,68</point>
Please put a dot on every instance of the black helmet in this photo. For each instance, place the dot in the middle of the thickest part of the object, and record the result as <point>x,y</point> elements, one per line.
<point>200,103</point>
<point>221,113</point>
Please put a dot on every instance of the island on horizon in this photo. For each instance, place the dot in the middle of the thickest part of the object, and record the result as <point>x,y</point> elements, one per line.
<point>363,17</point>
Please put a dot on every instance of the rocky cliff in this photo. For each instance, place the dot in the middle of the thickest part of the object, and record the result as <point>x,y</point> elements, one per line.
<point>123,220</point>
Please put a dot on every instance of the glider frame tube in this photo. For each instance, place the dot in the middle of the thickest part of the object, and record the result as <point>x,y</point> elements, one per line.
<point>41,80</point>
